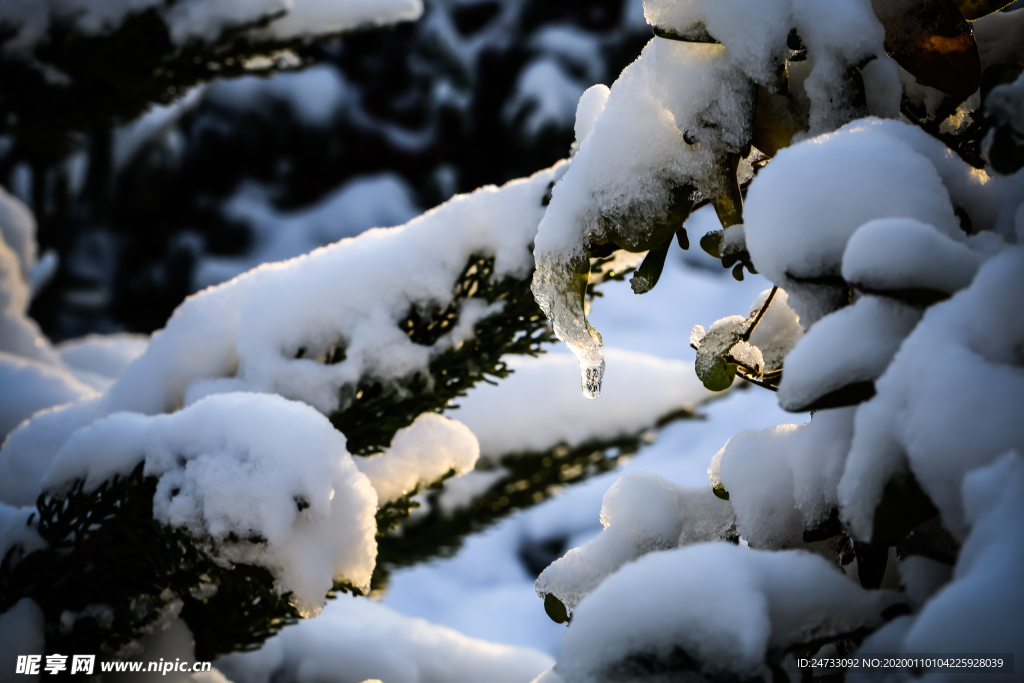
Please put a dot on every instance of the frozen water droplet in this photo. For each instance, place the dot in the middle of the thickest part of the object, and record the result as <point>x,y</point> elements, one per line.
<point>592,376</point>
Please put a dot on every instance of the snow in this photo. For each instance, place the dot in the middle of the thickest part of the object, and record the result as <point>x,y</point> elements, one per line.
<point>641,513</point>
<point>376,201</point>
<point>783,480</point>
<point>159,120</point>
<point>720,605</point>
<point>538,406</point>
<point>18,231</point>
<point>901,253</point>
<point>545,95</point>
<point>854,344</point>
<point>19,334</point>
<point>420,455</point>
<point>193,21</point>
<point>805,205</point>
<point>980,610</point>
<point>236,466</point>
<point>21,633</point>
<point>778,330</point>
<point>962,359</point>
<point>356,639</point>
<point>30,386</point>
<point>314,95</point>
<point>244,335</point>
<point>589,107</point>
<point>16,530</point>
<point>102,357</point>
<point>308,18</point>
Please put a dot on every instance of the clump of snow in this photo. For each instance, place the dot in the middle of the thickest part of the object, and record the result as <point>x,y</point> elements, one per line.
<point>783,480</point>
<point>254,478</point>
<point>852,345</point>
<point>246,335</point>
<point>377,201</point>
<point>356,639</point>
<point>420,454</point>
<point>30,386</point>
<point>902,253</point>
<point>962,359</point>
<point>538,406</point>
<point>715,607</point>
<point>804,206</point>
<point>589,107</point>
<point>641,513</point>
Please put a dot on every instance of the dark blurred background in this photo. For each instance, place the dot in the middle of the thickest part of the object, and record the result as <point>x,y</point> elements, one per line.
<point>366,130</point>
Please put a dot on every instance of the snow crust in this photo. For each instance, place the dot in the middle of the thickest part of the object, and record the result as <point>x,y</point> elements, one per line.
<point>357,639</point>
<point>236,467</point>
<point>722,605</point>
<point>916,419</point>
<point>245,335</point>
<point>641,513</point>
<point>420,455</point>
<point>824,361</point>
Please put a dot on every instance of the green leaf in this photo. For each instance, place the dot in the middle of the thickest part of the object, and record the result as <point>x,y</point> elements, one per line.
<point>720,492</point>
<point>555,609</point>
<point>720,375</point>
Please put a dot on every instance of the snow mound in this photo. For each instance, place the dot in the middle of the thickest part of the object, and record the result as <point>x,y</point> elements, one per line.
<point>255,478</point>
<point>715,608</point>
<point>783,480</point>
<point>641,513</point>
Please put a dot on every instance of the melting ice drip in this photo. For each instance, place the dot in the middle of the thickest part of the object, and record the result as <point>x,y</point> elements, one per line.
<point>559,294</point>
